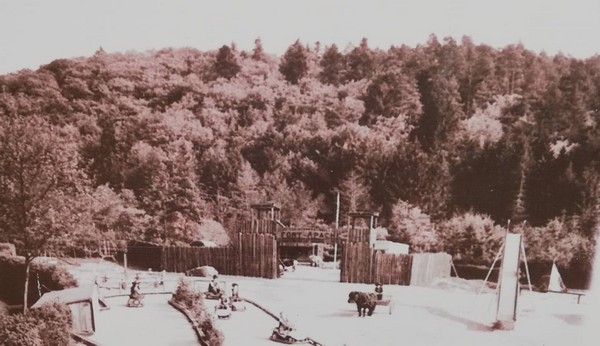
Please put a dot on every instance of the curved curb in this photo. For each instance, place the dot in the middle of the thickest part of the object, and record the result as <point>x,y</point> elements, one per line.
<point>274,316</point>
<point>82,339</point>
<point>192,320</point>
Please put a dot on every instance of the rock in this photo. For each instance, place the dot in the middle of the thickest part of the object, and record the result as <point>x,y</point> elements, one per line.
<point>204,271</point>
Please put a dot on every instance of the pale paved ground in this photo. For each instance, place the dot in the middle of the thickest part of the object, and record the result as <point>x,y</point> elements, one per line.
<point>316,302</point>
<point>249,327</point>
<point>157,323</point>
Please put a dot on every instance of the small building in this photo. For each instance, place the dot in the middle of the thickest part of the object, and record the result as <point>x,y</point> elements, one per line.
<point>83,302</point>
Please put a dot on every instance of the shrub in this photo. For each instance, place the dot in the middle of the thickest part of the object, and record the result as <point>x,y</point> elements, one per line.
<point>19,330</point>
<point>213,231</point>
<point>7,249</point>
<point>54,323</point>
<point>413,226</point>
<point>12,279</point>
<point>471,238</point>
<point>186,296</point>
<point>193,302</point>
<point>48,325</point>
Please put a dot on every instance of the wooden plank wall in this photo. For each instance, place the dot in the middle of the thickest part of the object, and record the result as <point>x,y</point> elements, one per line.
<point>426,267</point>
<point>360,264</point>
<point>358,235</point>
<point>257,226</point>
<point>254,254</point>
<point>391,269</point>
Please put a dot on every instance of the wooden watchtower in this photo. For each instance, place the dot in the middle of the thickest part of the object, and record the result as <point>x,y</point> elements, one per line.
<point>369,217</point>
<point>266,211</point>
<point>363,230</point>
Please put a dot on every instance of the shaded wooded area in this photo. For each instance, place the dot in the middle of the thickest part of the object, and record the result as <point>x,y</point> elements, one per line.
<point>447,140</point>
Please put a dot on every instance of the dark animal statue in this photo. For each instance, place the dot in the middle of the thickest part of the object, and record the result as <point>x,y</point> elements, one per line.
<point>364,301</point>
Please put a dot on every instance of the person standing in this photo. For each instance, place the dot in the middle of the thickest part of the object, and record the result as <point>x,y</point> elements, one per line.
<point>235,293</point>
<point>379,291</point>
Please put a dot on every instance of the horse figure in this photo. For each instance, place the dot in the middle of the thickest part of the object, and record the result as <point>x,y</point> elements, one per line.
<point>364,301</point>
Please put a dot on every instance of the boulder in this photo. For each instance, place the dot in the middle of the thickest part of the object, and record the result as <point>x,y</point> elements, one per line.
<point>203,271</point>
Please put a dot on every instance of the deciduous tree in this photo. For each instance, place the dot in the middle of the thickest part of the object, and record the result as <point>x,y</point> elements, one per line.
<point>39,179</point>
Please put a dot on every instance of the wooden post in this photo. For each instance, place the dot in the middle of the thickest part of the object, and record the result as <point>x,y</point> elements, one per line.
<point>508,282</point>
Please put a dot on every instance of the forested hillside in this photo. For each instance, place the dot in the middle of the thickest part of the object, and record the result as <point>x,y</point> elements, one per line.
<point>447,140</point>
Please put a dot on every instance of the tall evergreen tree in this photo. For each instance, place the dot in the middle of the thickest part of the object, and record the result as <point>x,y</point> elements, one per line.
<point>332,66</point>
<point>226,65</point>
<point>294,64</point>
<point>360,63</point>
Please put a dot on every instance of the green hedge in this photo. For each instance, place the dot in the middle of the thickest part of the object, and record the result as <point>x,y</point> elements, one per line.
<point>48,325</point>
<point>12,279</point>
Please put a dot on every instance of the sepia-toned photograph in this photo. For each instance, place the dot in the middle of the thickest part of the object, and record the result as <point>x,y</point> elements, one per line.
<point>316,172</point>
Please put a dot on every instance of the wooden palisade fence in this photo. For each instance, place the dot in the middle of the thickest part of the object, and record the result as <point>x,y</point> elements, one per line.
<point>253,254</point>
<point>361,264</point>
<point>257,226</point>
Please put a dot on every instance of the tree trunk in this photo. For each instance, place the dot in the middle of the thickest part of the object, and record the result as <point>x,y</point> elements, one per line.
<point>26,290</point>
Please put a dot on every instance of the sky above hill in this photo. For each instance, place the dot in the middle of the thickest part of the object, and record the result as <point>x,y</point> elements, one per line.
<point>35,32</point>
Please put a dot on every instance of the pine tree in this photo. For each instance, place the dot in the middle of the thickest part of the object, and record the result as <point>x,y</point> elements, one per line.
<point>360,63</point>
<point>332,65</point>
<point>294,64</point>
<point>226,65</point>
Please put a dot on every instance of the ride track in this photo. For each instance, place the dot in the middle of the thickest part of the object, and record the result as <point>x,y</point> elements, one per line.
<point>249,314</point>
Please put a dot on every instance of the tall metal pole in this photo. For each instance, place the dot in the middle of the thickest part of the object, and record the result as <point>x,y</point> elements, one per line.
<point>337,225</point>
<point>337,211</point>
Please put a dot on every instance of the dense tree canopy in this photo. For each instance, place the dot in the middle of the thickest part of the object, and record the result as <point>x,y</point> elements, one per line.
<point>449,132</point>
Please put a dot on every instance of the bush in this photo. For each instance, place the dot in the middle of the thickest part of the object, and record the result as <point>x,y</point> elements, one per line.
<point>20,330</point>
<point>12,279</point>
<point>54,323</point>
<point>213,231</point>
<point>187,297</point>
<point>414,227</point>
<point>48,325</point>
<point>471,238</point>
<point>193,302</point>
<point>7,249</point>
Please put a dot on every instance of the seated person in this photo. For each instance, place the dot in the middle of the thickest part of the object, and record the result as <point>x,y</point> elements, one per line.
<point>284,324</point>
<point>213,286</point>
<point>224,303</point>
<point>135,291</point>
